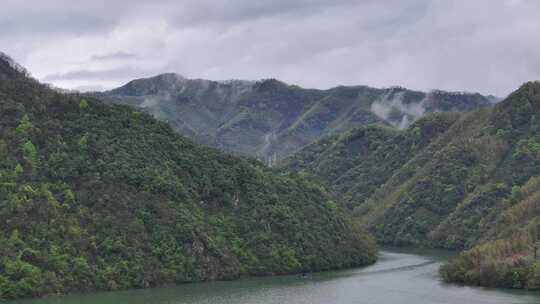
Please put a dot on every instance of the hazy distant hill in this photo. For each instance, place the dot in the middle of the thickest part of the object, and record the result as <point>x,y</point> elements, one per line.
<point>269,119</point>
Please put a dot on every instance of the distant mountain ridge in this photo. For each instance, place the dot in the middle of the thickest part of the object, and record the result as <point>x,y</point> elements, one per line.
<point>431,172</point>
<point>270,119</point>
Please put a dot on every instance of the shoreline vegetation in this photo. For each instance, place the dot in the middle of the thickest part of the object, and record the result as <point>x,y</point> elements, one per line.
<point>508,263</point>
<point>512,260</point>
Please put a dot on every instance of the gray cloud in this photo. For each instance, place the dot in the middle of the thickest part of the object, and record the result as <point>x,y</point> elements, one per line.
<point>489,46</point>
<point>94,75</point>
<point>89,88</point>
<point>233,12</point>
<point>114,56</point>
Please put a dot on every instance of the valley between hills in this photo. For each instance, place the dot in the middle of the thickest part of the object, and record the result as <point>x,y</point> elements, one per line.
<point>168,180</point>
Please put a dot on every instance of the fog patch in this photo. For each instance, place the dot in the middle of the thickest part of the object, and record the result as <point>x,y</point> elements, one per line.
<point>157,105</point>
<point>392,109</point>
<point>150,102</point>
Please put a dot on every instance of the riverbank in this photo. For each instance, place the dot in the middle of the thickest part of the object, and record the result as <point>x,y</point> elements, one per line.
<point>502,263</point>
<point>403,276</point>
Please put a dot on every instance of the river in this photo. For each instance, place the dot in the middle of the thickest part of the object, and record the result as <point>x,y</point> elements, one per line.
<point>400,276</point>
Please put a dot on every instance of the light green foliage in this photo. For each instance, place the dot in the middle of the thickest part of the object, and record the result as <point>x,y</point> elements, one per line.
<point>83,142</point>
<point>69,196</point>
<point>25,127</point>
<point>83,104</point>
<point>331,205</point>
<point>29,152</point>
<point>18,170</point>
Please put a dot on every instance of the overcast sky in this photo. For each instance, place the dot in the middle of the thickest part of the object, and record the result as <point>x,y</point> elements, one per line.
<point>489,46</point>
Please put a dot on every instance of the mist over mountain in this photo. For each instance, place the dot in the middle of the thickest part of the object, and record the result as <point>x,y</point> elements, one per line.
<point>269,119</point>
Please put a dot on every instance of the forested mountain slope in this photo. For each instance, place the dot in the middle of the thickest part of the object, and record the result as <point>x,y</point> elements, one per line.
<point>269,119</point>
<point>451,181</point>
<point>357,163</point>
<point>511,255</point>
<point>102,197</point>
<point>442,182</point>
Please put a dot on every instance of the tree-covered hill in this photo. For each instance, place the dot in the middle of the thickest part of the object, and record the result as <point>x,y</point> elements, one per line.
<point>511,255</point>
<point>358,162</point>
<point>269,119</point>
<point>447,181</point>
<point>101,197</point>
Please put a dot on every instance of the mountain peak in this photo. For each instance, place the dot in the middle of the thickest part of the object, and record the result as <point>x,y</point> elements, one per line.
<point>156,85</point>
<point>170,77</point>
<point>531,88</point>
<point>269,84</point>
<point>528,93</point>
<point>519,109</point>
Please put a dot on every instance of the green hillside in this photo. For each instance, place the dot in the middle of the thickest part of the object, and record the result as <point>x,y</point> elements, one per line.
<point>448,181</point>
<point>271,120</point>
<point>356,163</point>
<point>511,258</point>
<point>104,197</point>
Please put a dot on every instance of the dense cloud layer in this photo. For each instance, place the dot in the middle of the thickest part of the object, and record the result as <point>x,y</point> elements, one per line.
<point>489,46</point>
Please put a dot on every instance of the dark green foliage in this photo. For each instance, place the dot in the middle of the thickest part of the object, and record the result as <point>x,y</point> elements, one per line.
<point>101,197</point>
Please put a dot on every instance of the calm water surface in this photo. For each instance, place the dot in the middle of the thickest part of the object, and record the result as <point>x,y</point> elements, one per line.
<point>401,277</point>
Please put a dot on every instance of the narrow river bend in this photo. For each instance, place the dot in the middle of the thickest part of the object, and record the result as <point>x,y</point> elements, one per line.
<point>400,277</point>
